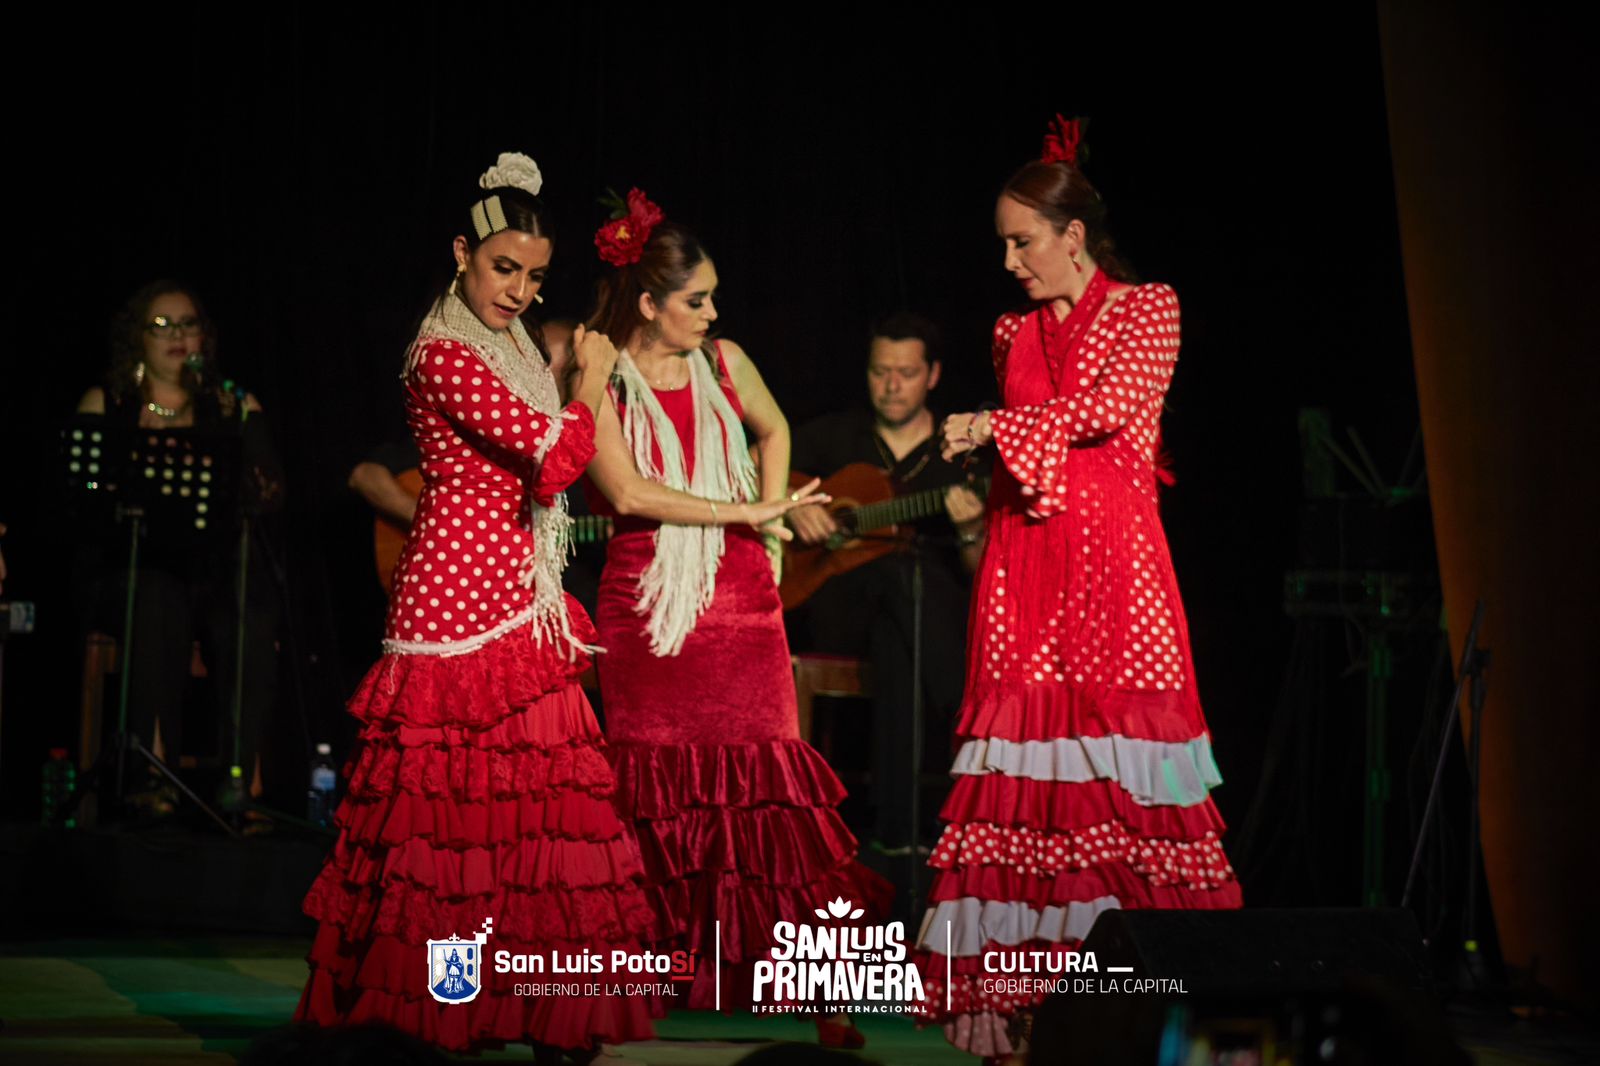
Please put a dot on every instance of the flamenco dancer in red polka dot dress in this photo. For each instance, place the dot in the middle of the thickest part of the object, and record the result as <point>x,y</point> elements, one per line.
<point>480,790</point>
<point>1084,762</point>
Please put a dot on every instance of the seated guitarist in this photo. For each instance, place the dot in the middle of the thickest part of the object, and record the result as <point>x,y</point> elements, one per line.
<point>867,612</point>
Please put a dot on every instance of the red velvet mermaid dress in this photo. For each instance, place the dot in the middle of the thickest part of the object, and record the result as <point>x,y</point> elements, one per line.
<point>1084,763</point>
<point>735,813</point>
<point>479,789</point>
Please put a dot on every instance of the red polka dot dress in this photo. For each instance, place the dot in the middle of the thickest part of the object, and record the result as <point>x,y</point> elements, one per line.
<point>479,789</point>
<point>1083,761</point>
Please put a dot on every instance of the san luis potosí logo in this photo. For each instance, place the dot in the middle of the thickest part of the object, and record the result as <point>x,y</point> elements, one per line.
<point>832,967</point>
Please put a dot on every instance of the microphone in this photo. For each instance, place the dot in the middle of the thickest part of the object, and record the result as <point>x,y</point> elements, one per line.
<point>196,365</point>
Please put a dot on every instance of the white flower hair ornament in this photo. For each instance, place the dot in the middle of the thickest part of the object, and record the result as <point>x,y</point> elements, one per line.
<point>515,171</point>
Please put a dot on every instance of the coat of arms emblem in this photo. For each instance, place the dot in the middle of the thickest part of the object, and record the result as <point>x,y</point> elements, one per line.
<point>455,966</point>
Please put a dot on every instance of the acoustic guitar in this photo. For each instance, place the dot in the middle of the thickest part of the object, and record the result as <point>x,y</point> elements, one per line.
<point>863,502</point>
<point>389,537</point>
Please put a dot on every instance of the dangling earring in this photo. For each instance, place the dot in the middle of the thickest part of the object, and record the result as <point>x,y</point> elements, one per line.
<point>138,374</point>
<point>1076,265</point>
<point>538,299</point>
<point>455,282</point>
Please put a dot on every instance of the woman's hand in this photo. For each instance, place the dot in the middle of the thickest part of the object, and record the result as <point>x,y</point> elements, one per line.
<point>594,357</point>
<point>593,353</point>
<point>767,515</point>
<point>964,432</point>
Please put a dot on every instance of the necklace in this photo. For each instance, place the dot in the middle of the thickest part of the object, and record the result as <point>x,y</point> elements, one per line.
<point>657,384</point>
<point>890,462</point>
<point>168,412</point>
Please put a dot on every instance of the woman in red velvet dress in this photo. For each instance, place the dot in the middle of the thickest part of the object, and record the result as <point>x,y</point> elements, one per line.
<point>1084,762</point>
<point>479,790</point>
<point>735,813</point>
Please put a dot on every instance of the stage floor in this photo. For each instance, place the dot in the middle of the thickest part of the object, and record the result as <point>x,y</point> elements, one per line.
<point>165,1002</point>
<point>175,1001</point>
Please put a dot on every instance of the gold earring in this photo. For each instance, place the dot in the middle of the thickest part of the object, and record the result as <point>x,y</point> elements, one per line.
<point>455,282</point>
<point>138,374</point>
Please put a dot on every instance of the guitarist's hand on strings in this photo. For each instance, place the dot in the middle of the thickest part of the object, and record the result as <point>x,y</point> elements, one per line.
<point>767,515</point>
<point>812,524</point>
<point>964,432</point>
<point>964,507</point>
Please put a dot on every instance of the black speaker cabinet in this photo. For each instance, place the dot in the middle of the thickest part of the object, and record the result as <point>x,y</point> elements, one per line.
<point>1262,952</point>
<point>1334,987</point>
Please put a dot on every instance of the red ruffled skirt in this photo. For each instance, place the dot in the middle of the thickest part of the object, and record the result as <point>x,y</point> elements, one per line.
<point>1072,795</point>
<point>479,790</point>
<point>736,816</point>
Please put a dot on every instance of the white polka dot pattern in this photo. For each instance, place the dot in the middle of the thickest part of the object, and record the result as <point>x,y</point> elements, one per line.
<point>1085,765</point>
<point>1120,380</point>
<point>1085,462</point>
<point>465,568</point>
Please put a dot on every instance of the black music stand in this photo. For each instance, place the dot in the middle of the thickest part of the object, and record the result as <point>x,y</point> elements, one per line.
<point>1471,678</point>
<point>179,483</point>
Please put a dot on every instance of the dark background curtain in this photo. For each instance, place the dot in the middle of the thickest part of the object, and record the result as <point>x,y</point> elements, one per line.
<point>307,168</point>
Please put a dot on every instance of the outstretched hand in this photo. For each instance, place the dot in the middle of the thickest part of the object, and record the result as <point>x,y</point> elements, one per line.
<point>767,515</point>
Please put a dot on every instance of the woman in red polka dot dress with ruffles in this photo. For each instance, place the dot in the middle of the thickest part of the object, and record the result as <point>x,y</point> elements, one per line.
<point>480,790</point>
<point>1084,762</point>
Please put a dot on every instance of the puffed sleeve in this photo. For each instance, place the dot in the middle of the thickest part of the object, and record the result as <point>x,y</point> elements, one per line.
<point>453,380</point>
<point>1033,440</point>
<point>1005,333</point>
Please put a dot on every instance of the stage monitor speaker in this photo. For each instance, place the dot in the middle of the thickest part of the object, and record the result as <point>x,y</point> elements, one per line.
<point>1263,952</point>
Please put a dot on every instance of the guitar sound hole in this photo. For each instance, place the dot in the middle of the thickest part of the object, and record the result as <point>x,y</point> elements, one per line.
<point>845,518</point>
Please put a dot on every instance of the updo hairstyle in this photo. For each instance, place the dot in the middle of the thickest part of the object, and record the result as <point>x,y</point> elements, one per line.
<point>1060,193</point>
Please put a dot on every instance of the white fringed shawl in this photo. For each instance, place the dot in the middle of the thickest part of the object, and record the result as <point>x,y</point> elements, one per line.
<point>682,578</point>
<point>530,380</point>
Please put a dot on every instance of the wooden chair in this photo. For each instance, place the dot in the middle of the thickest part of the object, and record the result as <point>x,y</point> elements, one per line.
<point>826,675</point>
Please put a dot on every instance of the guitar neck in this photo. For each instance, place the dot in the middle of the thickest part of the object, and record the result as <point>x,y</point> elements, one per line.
<point>589,528</point>
<point>892,512</point>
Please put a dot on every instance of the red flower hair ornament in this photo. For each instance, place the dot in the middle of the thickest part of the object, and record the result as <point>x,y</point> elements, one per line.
<point>1061,140</point>
<point>621,241</point>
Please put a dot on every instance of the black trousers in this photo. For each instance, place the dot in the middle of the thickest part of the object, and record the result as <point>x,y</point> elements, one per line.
<point>172,610</point>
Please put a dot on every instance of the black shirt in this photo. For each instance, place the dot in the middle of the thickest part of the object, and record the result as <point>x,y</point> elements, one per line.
<point>827,444</point>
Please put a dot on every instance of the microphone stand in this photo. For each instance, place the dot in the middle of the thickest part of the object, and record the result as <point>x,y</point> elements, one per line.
<point>915,545</point>
<point>1471,672</point>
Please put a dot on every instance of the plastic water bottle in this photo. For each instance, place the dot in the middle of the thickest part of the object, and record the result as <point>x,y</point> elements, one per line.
<point>57,779</point>
<point>324,782</point>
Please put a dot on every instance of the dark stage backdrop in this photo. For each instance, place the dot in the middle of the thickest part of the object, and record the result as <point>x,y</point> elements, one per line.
<point>307,170</point>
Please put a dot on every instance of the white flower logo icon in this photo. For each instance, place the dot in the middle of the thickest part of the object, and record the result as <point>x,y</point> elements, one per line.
<point>838,908</point>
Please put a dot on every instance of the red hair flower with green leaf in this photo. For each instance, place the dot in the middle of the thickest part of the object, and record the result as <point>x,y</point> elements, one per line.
<point>621,241</point>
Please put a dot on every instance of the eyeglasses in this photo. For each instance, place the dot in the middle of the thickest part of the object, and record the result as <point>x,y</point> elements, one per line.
<point>162,326</point>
